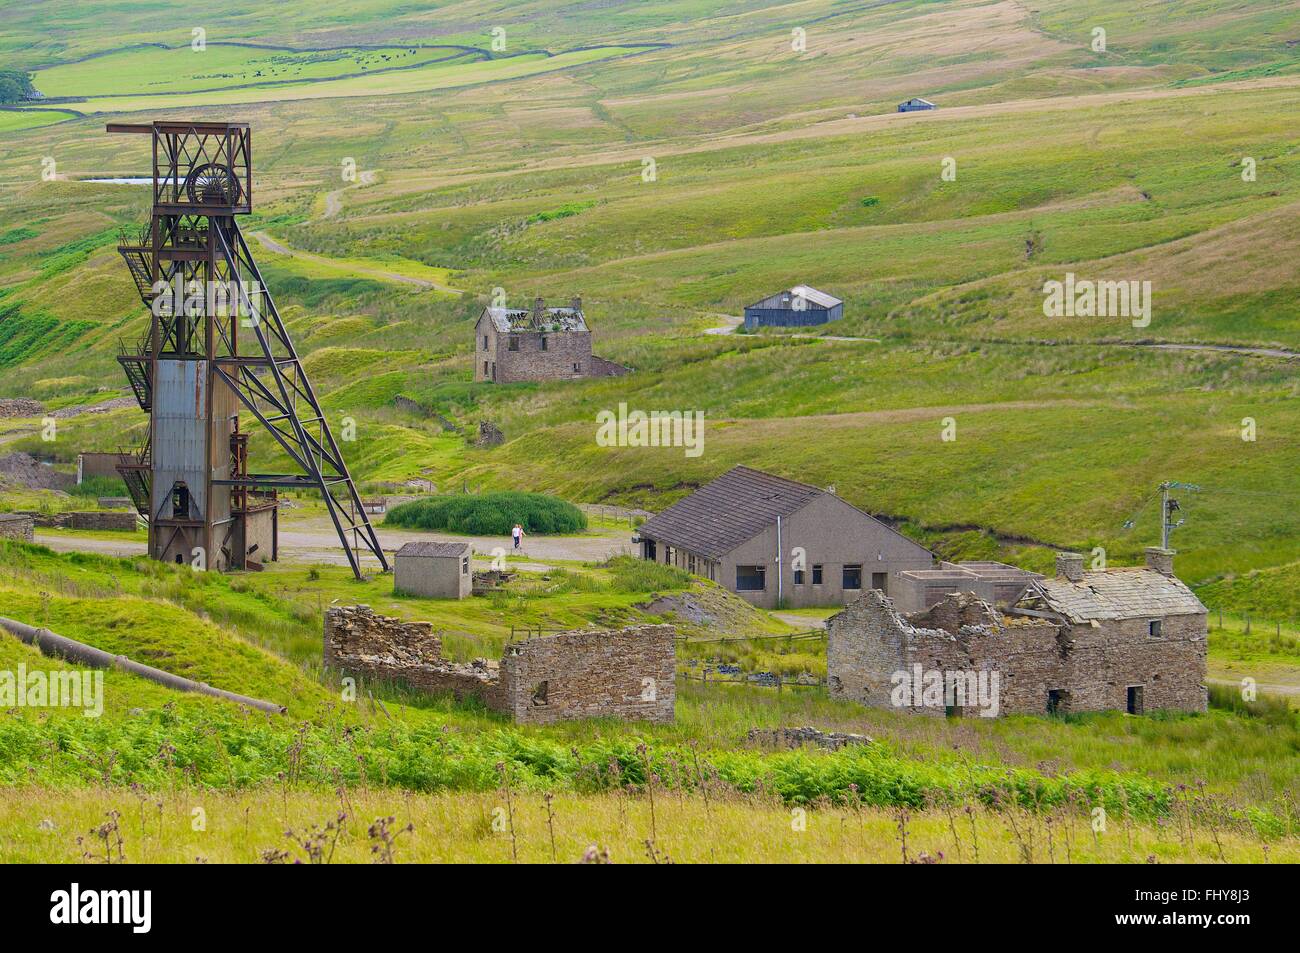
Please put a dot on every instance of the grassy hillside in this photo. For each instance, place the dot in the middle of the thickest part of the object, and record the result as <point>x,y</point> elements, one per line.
<point>672,161</point>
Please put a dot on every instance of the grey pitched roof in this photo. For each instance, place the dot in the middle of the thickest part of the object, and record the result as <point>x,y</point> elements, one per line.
<point>815,296</point>
<point>1129,593</point>
<point>506,320</point>
<point>819,298</point>
<point>423,548</point>
<point>735,507</point>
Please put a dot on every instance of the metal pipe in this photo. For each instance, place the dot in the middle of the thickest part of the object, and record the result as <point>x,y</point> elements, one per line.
<point>57,645</point>
<point>780,594</point>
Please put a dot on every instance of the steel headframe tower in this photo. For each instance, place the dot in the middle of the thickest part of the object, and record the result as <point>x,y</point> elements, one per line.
<point>216,342</point>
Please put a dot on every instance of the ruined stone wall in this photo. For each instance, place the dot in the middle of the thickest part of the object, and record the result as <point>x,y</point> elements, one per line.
<point>100,521</point>
<point>623,673</point>
<point>567,354</point>
<point>360,643</point>
<point>20,407</point>
<point>603,367</point>
<point>1109,658</point>
<point>1092,667</point>
<point>17,528</point>
<point>91,519</point>
<point>865,645</point>
<point>606,673</point>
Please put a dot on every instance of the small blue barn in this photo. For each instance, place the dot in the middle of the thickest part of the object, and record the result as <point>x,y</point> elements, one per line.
<point>916,105</point>
<point>801,306</point>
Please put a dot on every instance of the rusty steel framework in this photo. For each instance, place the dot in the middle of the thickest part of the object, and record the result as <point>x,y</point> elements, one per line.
<point>216,337</point>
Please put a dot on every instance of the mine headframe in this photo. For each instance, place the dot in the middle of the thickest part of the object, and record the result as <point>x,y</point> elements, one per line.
<point>215,332</point>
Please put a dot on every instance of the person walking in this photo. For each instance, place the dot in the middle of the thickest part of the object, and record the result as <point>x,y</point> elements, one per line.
<point>518,534</point>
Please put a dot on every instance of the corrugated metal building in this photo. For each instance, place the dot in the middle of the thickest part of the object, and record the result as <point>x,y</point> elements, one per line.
<point>916,104</point>
<point>801,306</point>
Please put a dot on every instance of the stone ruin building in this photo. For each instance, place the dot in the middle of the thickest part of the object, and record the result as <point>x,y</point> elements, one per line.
<point>541,344</point>
<point>585,673</point>
<point>1127,639</point>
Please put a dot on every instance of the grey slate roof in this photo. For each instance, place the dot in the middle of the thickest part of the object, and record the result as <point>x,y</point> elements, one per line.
<point>721,515</point>
<point>506,320</point>
<point>423,548</point>
<point>1129,593</point>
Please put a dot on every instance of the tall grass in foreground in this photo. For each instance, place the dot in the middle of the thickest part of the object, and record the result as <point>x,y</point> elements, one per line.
<point>644,825</point>
<point>234,750</point>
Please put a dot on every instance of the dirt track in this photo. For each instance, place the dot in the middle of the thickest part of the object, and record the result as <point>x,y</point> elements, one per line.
<point>280,248</point>
<point>315,541</point>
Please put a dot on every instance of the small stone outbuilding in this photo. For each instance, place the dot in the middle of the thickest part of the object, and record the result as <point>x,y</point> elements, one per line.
<point>435,570</point>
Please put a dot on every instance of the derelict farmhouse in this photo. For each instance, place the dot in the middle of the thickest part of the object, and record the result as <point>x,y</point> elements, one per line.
<point>537,344</point>
<point>1129,639</point>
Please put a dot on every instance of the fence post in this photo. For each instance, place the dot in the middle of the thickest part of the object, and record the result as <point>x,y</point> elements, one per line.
<point>1248,623</point>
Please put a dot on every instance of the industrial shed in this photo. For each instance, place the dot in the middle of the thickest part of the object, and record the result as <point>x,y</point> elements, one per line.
<point>433,570</point>
<point>775,542</point>
<point>801,306</point>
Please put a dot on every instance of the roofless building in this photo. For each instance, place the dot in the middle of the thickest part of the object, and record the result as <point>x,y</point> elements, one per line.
<point>537,344</point>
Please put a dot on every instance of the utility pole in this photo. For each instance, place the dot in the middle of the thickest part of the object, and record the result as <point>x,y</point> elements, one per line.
<point>1169,506</point>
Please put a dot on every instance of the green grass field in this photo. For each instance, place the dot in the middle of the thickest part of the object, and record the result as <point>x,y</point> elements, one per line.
<point>150,70</point>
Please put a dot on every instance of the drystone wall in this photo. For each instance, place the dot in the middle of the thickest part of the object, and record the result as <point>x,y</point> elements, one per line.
<point>590,673</point>
<point>599,673</point>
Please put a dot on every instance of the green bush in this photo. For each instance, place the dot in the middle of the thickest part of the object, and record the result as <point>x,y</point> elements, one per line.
<point>99,486</point>
<point>489,514</point>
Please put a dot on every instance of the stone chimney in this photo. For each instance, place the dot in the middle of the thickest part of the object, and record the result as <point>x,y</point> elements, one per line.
<point>1161,560</point>
<point>1069,566</point>
<point>576,304</point>
<point>539,308</point>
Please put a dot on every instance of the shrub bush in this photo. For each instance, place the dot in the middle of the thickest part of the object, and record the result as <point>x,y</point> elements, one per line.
<point>99,486</point>
<point>489,514</point>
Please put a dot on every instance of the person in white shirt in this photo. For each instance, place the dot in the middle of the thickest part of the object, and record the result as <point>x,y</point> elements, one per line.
<point>518,534</point>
